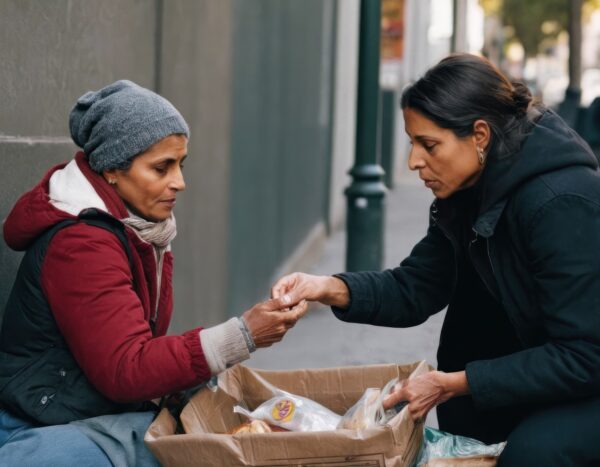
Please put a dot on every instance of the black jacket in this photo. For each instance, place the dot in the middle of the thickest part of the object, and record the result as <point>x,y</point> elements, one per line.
<point>535,249</point>
<point>39,377</point>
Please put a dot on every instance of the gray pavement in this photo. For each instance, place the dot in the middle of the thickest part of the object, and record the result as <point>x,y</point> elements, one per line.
<point>320,340</point>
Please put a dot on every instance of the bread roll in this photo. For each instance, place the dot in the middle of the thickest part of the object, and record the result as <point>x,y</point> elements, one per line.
<point>255,426</point>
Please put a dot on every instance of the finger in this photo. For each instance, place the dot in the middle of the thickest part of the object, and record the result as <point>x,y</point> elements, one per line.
<point>282,286</point>
<point>276,290</point>
<point>418,416</point>
<point>300,309</point>
<point>394,398</point>
<point>293,315</point>
<point>297,313</point>
<point>276,304</point>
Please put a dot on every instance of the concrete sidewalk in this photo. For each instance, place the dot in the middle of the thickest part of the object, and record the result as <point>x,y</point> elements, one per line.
<point>320,340</point>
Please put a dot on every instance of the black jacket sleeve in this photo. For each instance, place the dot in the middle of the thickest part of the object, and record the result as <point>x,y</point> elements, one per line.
<point>564,253</point>
<point>407,295</point>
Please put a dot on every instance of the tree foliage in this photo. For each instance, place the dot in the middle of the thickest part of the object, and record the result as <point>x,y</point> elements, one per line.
<point>533,21</point>
<point>528,17</point>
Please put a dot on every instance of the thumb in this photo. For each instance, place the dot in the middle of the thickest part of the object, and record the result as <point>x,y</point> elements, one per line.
<point>394,398</point>
<point>285,301</point>
<point>283,285</point>
<point>297,312</point>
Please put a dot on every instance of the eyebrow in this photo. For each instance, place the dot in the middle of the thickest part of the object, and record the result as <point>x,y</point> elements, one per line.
<point>169,159</point>
<point>423,137</point>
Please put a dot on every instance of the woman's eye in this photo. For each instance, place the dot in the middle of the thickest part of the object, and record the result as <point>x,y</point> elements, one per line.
<point>429,147</point>
<point>161,169</point>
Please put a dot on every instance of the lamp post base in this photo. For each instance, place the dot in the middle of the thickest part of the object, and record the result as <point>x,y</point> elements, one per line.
<point>364,224</point>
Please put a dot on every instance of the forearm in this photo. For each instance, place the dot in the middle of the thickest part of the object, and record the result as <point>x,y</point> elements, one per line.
<point>335,293</point>
<point>386,298</point>
<point>546,374</point>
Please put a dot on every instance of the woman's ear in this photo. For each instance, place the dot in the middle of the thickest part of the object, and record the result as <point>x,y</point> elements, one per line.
<point>482,134</point>
<point>110,176</point>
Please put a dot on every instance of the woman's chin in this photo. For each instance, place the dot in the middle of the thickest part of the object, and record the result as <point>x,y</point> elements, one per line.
<point>158,214</point>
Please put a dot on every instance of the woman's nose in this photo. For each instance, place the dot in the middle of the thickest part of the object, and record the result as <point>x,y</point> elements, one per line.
<point>414,161</point>
<point>177,182</point>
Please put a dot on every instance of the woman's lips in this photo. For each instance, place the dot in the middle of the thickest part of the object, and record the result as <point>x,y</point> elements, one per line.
<point>169,202</point>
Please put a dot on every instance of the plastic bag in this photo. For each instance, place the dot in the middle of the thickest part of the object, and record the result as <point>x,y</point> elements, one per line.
<point>368,412</point>
<point>294,413</point>
<point>365,413</point>
<point>438,445</point>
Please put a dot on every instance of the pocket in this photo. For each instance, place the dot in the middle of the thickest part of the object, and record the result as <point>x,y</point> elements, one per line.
<point>32,390</point>
<point>22,383</point>
<point>12,367</point>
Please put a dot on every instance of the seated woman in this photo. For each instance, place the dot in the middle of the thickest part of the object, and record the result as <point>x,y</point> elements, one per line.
<point>513,250</point>
<point>82,346</point>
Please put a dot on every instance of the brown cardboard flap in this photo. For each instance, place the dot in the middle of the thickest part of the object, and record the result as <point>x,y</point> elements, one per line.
<point>209,415</point>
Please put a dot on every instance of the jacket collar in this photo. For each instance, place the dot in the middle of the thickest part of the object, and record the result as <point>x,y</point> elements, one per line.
<point>114,204</point>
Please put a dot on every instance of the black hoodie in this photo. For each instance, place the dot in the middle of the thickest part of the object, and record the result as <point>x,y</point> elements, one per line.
<point>536,248</point>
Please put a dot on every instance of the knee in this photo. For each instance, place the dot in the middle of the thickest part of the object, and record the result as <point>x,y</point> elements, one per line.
<point>528,450</point>
<point>534,444</point>
<point>60,445</point>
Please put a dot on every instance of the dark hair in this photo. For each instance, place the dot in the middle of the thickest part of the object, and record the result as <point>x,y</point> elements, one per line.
<point>463,88</point>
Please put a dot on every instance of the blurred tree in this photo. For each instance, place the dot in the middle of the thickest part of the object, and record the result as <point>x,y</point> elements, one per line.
<point>491,7</point>
<point>534,20</point>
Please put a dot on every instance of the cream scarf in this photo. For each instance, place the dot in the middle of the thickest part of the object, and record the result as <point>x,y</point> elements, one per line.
<point>159,234</point>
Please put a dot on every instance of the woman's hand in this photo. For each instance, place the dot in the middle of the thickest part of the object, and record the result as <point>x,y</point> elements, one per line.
<point>328,290</point>
<point>426,391</point>
<point>268,324</point>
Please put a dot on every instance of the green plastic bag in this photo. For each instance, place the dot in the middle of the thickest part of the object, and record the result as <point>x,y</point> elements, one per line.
<point>438,444</point>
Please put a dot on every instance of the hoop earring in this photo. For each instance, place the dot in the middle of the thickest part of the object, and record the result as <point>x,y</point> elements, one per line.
<point>112,181</point>
<point>481,155</point>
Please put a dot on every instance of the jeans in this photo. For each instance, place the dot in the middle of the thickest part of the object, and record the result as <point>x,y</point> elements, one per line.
<point>25,445</point>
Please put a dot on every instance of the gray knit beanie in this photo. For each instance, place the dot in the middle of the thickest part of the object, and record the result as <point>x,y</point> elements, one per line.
<point>121,120</point>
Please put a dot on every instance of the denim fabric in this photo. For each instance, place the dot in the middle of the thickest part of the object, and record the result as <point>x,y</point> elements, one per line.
<point>121,437</point>
<point>25,445</point>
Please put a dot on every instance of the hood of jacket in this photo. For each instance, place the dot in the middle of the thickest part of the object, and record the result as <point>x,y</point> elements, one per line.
<point>63,193</point>
<point>551,145</point>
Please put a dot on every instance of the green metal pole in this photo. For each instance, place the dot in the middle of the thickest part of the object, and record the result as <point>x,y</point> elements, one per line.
<point>387,134</point>
<point>365,195</point>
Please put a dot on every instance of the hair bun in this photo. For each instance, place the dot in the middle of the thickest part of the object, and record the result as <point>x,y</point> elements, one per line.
<point>521,96</point>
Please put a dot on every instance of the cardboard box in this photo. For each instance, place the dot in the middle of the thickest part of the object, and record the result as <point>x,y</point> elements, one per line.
<point>209,415</point>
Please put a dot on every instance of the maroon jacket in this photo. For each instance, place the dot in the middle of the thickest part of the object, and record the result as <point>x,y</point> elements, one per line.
<point>101,307</point>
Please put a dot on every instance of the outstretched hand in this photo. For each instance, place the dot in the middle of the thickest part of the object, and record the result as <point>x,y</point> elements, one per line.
<point>267,322</point>
<point>298,286</point>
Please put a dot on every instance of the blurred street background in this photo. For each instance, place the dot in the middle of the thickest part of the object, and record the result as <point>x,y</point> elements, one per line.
<point>284,98</point>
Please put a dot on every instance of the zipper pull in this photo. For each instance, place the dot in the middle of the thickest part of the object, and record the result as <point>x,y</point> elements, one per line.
<point>475,238</point>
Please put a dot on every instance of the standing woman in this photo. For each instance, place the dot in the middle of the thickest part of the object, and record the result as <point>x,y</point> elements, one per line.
<point>83,348</point>
<point>513,250</point>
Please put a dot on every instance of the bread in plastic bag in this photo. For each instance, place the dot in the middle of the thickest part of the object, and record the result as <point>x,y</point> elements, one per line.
<point>368,412</point>
<point>294,413</point>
